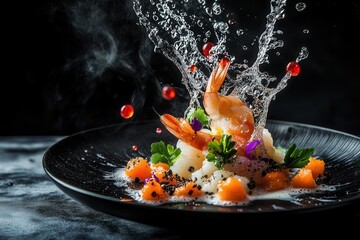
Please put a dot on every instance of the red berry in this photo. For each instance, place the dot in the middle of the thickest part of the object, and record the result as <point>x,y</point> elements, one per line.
<point>193,68</point>
<point>135,148</point>
<point>293,68</point>
<point>206,49</point>
<point>127,111</point>
<point>168,92</point>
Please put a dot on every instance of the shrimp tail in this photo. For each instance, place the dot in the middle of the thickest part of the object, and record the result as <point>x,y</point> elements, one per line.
<point>218,76</point>
<point>182,130</point>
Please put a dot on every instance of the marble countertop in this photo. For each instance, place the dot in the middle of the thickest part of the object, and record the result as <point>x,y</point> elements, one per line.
<point>32,207</point>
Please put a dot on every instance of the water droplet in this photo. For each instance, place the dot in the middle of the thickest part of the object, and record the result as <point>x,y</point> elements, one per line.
<point>293,68</point>
<point>300,6</point>
<point>206,48</point>
<point>244,47</point>
<point>135,147</point>
<point>216,9</point>
<point>208,34</point>
<point>240,32</point>
<point>168,92</point>
<point>158,130</point>
<point>127,111</point>
<point>231,21</point>
<point>306,31</point>
<point>155,18</point>
<point>200,23</point>
<point>221,27</point>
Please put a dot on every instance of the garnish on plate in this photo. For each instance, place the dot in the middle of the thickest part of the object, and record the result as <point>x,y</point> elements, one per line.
<point>164,153</point>
<point>221,152</point>
<point>296,157</point>
<point>200,116</point>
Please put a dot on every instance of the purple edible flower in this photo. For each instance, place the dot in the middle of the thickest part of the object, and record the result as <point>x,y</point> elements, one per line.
<point>196,124</point>
<point>251,147</point>
<point>154,177</point>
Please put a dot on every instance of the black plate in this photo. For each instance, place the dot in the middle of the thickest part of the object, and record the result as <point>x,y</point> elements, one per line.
<point>79,164</point>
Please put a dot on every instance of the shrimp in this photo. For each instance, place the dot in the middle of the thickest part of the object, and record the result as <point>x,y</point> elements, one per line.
<point>228,115</point>
<point>181,129</point>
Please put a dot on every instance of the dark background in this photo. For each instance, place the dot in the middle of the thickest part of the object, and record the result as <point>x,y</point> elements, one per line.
<point>58,75</point>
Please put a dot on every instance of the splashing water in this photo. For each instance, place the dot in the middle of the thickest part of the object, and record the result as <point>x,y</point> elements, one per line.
<point>172,25</point>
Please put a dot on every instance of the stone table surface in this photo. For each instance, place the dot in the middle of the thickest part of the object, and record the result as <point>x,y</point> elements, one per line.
<point>32,207</point>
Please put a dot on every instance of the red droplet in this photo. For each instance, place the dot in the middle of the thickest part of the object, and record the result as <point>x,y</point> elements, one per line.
<point>293,68</point>
<point>127,111</point>
<point>135,147</point>
<point>158,130</point>
<point>168,92</point>
<point>193,68</point>
<point>206,49</point>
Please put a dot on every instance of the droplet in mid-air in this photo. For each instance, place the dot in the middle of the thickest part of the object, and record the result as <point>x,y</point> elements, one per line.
<point>127,111</point>
<point>193,68</point>
<point>158,130</point>
<point>206,48</point>
<point>168,92</point>
<point>300,6</point>
<point>293,68</point>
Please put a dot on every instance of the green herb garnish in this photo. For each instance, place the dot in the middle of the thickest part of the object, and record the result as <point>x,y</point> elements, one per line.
<point>199,114</point>
<point>164,153</point>
<point>296,157</point>
<point>221,152</point>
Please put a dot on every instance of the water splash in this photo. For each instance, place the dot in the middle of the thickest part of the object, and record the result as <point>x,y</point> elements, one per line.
<point>173,27</point>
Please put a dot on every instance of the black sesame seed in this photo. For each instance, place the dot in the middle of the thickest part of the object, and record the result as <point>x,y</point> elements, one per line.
<point>190,192</point>
<point>137,179</point>
<point>153,194</point>
<point>251,184</point>
<point>191,169</point>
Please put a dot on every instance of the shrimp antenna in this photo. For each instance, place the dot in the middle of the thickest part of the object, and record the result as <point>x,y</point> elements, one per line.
<point>156,111</point>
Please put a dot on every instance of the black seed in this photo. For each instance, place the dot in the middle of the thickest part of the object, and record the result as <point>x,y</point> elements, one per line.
<point>153,194</point>
<point>191,169</point>
<point>137,179</point>
<point>190,192</point>
<point>251,184</point>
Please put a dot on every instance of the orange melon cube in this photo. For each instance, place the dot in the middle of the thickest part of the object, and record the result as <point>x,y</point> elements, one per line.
<point>317,167</point>
<point>277,180</point>
<point>303,179</point>
<point>160,165</point>
<point>163,175</point>
<point>153,191</point>
<point>231,190</point>
<point>190,189</point>
<point>138,169</point>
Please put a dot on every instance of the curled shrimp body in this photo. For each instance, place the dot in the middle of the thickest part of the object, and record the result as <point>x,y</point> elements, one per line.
<point>228,114</point>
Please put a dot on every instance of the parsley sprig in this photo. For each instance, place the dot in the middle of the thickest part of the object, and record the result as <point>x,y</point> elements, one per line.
<point>199,114</point>
<point>296,157</point>
<point>164,153</point>
<point>221,152</point>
